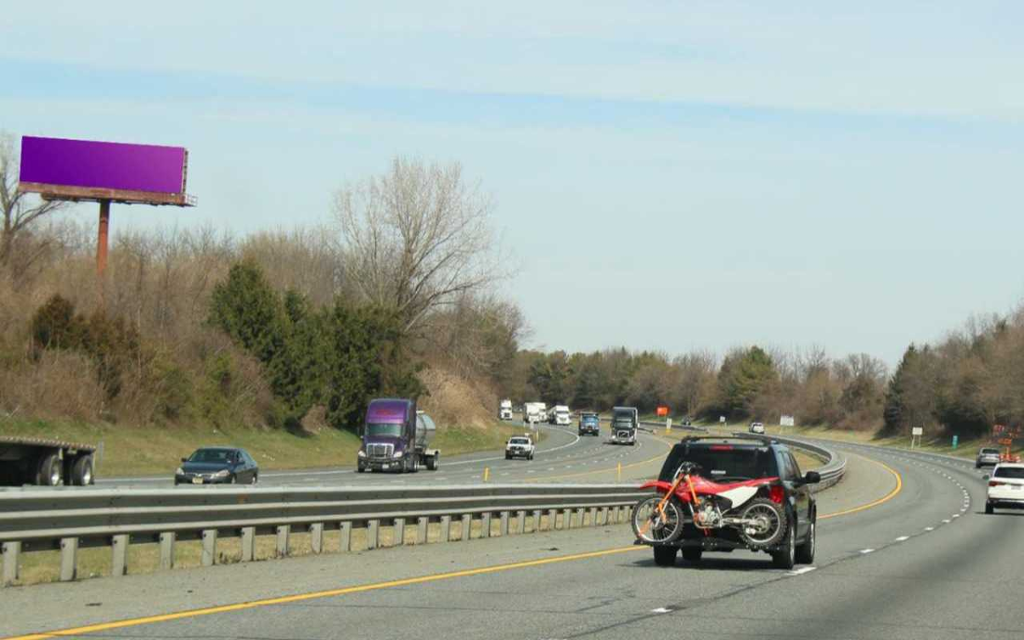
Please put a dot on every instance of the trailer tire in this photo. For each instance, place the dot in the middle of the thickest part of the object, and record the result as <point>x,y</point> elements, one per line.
<point>433,462</point>
<point>50,471</point>
<point>82,472</point>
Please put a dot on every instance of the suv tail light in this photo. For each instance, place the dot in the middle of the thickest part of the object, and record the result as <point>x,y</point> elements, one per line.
<point>777,494</point>
<point>995,483</point>
<point>721,447</point>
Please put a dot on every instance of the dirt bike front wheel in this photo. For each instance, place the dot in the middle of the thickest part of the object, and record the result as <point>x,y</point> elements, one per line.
<point>657,526</point>
<point>764,523</point>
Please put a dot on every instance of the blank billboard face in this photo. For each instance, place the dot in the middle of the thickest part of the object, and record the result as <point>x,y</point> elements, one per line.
<point>83,164</point>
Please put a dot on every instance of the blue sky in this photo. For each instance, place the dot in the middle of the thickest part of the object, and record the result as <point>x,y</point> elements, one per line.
<point>742,172</point>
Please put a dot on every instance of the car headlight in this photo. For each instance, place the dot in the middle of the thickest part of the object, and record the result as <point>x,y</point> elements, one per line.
<point>398,454</point>
<point>362,454</point>
<point>223,473</point>
<point>179,471</point>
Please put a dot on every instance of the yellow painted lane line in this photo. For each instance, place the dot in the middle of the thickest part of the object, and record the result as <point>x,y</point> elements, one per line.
<point>107,626</point>
<point>892,494</point>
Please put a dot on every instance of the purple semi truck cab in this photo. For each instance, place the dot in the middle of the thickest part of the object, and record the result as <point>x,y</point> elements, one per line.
<point>396,437</point>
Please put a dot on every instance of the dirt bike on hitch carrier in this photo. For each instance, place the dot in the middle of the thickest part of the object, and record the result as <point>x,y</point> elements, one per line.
<point>726,494</point>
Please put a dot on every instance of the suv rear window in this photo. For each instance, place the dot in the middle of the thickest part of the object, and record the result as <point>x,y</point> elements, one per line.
<point>1016,473</point>
<point>722,462</point>
<point>990,451</point>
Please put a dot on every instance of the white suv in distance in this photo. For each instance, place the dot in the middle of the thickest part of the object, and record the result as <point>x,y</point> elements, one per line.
<point>519,447</point>
<point>1005,487</point>
<point>757,427</point>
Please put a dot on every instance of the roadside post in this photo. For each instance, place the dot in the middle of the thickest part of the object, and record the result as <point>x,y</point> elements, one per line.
<point>956,440</point>
<point>668,426</point>
<point>915,436</point>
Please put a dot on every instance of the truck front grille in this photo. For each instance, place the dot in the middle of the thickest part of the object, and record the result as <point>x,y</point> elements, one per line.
<point>380,450</point>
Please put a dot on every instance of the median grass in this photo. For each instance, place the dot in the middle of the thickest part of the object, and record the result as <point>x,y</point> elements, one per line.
<point>153,450</point>
<point>966,449</point>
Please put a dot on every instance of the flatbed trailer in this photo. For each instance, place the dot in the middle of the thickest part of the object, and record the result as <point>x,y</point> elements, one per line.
<point>45,462</point>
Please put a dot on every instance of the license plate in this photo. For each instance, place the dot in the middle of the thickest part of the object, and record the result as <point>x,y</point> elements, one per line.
<point>197,481</point>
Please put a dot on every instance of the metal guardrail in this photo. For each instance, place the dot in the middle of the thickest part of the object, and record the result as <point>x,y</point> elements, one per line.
<point>38,521</point>
<point>67,521</point>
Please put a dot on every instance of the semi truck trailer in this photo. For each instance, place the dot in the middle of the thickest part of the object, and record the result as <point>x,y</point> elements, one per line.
<point>396,437</point>
<point>44,462</point>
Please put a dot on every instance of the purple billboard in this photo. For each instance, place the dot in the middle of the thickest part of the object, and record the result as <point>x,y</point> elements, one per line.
<point>89,165</point>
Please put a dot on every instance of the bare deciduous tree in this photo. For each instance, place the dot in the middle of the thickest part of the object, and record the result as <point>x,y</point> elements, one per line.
<point>18,213</point>
<point>417,238</point>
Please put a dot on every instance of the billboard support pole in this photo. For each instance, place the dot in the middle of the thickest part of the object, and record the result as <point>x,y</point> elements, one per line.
<point>101,241</point>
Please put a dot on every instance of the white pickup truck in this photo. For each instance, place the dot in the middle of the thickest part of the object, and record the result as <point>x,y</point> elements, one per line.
<point>519,447</point>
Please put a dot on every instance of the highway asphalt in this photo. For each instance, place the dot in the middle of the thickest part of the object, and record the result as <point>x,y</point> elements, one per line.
<point>905,552</point>
<point>561,456</point>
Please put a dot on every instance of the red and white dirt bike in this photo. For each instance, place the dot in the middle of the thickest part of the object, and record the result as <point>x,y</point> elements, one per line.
<point>752,507</point>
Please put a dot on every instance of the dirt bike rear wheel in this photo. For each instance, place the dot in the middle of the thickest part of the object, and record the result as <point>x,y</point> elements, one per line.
<point>771,524</point>
<point>652,526</point>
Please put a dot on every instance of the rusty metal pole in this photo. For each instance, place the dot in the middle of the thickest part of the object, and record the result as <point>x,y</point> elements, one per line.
<point>101,243</point>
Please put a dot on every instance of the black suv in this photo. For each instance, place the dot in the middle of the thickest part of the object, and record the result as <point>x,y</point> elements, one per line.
<point>745,458</point>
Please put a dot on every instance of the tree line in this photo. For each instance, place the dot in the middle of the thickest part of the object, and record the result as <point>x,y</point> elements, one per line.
<point>747,383</point>
<point>962,385</point>
<point>395,295</point>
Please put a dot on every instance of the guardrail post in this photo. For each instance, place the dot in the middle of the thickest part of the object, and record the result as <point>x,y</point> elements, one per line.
<point>248,544</point>
<point>485,525</point>
<point>604,515</point>
<point>372,534</point>
<point>593,516</point>
<point>283,531</point>
<point>552,519</point>
<point>120,553</point>
<point>346,536</point>
<point>398,532</point>
<point>209,547</point>
<point>422,529</point>
<point>467,526</point>
<point>68,559</point>
<point>504,523</point>
<point>316,537</point>
<point>567,518</point>
<point>446,528</point>
<point>520,522</point>
<point>536,520</point>
<point>12,553</point>
<point>167,540</point>
<point>580,513</point>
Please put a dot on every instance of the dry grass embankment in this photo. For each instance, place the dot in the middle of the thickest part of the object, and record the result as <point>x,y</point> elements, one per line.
<point>153,450</point>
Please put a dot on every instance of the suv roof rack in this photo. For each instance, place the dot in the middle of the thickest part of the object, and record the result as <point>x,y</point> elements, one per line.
<point>735,436</point>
